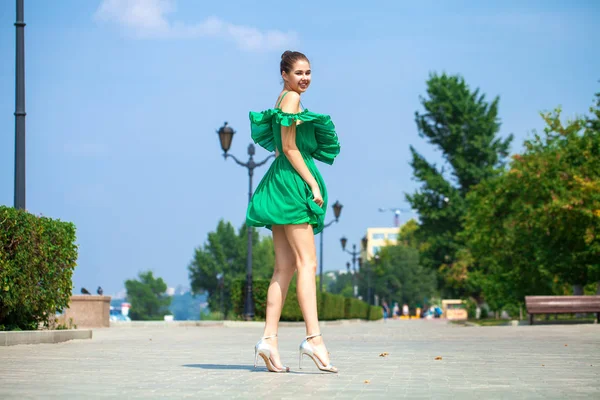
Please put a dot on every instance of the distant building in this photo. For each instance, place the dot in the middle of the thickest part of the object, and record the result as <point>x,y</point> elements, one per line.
<point>380,237</point>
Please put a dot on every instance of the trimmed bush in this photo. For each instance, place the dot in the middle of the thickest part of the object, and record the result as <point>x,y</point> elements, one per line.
<point>375,313</point>
<point>37,259</point>
<point>260,288</point>
<point>354,308</point>
<point>331,306</point>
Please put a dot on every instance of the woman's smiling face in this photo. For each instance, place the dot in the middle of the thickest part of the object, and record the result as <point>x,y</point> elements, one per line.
<point>298,79</point>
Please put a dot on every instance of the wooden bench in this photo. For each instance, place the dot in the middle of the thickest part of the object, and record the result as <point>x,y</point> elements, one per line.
<point>562,305</point>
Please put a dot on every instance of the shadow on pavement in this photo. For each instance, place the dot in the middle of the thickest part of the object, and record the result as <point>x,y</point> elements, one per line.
<point>221,366</point>
<point>226,367</point>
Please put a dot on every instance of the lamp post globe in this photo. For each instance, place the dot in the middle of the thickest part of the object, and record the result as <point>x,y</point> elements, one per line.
<point>226,133</point>
<point>343,241</point>
<point>365,242</point>
<point>337,209</point>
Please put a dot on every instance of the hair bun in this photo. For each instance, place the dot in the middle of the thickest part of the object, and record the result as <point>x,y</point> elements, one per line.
<point>286,54</point>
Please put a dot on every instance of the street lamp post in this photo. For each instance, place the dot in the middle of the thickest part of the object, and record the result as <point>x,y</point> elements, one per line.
<point>365,242</point>
<point>354,253</point>
<point>226,137</point>
<point>220,279</point>
<point>19,199</point>
<point>397,212</point>
<point>337,210</point>
<point>377,261</point>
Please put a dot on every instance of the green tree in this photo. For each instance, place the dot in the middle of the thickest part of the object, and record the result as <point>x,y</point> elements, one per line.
<point>225,252</point>
<point>399,277</point>
<point>342,284</point>
<point>536,228</point>
<point>147,297</point>
<point>409,235</point>
<point>464,127</point>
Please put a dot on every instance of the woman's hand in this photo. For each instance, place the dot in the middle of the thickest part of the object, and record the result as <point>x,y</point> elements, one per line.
<point>318,198</point>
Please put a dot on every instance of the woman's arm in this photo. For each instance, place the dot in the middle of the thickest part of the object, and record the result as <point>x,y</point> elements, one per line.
<point>290,105</point>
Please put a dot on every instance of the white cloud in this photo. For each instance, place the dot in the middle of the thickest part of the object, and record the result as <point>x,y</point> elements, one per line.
<point>148,19</point>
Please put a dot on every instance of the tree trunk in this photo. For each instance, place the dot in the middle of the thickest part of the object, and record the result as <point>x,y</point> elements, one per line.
<point>598,288</point>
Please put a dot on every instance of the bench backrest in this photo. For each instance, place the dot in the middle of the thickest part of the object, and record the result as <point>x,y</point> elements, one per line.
<point>562,304</point>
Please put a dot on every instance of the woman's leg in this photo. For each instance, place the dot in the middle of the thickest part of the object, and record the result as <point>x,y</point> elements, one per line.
<point>302,242</point>
<point>285,266</point>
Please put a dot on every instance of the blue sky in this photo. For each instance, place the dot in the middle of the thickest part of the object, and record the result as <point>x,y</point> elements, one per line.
<point>124,98</point>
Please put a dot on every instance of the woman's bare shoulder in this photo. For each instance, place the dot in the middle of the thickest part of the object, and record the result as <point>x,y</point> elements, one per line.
<point>290,103</point>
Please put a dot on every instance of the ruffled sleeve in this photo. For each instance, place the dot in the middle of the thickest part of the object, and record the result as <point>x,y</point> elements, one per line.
<point>261,129</point>
<point>328,145</point>
<point>289,119</point>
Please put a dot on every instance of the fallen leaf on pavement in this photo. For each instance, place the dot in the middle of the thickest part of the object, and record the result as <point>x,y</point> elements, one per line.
<point>384,354</point>
<point>438,358</point>
<point>367,381</point>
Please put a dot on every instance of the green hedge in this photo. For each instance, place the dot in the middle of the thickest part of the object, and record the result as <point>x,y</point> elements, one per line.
<point>37,259</point>
<point>355,308</point>
<point>330,306</point>
<point>375,313</point>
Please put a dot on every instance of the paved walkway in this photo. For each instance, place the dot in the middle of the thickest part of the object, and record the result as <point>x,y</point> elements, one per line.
<point>556,361</point>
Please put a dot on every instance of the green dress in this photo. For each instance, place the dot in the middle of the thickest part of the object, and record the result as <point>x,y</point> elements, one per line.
<point>282,197</point>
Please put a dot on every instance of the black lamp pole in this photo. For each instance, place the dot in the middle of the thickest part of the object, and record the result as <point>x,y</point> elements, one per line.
<point>354,253</point>
<point>225,137</point>
<point>20,110</point>
<point>337,210</point>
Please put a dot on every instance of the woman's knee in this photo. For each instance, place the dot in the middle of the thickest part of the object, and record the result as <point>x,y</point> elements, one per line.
<point>284,267</point>
<point>307,265</point>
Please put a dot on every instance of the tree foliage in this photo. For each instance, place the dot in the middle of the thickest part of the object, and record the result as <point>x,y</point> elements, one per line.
<point>536,228</point>
<point>399,277</point>
<point>225,252</point>
<point>465,128</point>
<point>147,297</point>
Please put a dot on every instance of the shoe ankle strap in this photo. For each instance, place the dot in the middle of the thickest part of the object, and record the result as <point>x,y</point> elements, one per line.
<point>269,337</point>
<point>313,336</point>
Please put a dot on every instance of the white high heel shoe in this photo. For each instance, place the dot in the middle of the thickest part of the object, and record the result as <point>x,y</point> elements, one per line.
<point>306,348</point>
<point>264,350</point>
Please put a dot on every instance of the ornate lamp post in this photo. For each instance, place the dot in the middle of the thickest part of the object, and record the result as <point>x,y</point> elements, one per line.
<point>337,210</point>
<point>354,253</point>
<point>226,137</point>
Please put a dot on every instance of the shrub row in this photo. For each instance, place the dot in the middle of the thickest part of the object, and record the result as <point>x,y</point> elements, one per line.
<point>330,306</point>
<point>37,259</point>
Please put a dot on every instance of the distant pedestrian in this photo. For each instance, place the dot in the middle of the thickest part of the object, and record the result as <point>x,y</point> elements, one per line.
<point>386,310</point>
<point>405,310</point>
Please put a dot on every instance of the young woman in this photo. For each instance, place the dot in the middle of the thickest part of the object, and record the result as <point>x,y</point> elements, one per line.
<point>291,200</point>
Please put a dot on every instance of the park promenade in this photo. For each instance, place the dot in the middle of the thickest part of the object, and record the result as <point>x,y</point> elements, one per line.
<point>414,359</point>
